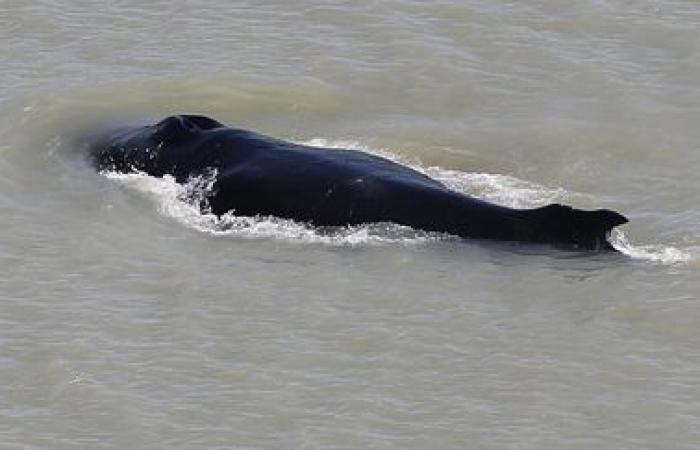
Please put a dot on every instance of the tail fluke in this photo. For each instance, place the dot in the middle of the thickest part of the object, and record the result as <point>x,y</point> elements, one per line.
<point>588,230</point>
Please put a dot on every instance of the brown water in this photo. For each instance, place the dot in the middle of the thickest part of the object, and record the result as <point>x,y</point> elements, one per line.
<point>129,320</point>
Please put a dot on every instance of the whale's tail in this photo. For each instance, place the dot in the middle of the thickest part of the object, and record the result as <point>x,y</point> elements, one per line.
<point>565,225</point>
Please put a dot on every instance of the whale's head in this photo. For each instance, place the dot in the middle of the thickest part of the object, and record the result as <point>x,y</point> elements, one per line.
<point>141,148</point>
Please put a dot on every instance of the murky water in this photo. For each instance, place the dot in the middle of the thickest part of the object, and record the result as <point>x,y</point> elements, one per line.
<point>129,320</point>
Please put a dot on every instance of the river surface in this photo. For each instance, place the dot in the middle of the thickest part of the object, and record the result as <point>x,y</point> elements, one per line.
<point>130,320</point>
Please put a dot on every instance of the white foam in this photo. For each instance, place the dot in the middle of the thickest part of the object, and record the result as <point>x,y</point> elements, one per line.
<point>654,253</point>
<point>501,189</point>
<point>182,202</point>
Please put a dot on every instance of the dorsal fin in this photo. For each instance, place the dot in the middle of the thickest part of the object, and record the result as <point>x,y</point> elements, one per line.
<point>582,229</point>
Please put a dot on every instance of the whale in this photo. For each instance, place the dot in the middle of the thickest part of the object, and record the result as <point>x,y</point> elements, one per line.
<point>257,175</point>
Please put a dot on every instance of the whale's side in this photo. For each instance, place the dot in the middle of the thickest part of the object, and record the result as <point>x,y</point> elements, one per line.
<point>260,175</point>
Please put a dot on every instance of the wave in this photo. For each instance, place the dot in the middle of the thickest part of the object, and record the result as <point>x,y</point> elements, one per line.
<point>654,253</point>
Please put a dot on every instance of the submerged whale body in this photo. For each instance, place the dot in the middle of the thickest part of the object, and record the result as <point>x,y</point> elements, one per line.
<point>260,175</point>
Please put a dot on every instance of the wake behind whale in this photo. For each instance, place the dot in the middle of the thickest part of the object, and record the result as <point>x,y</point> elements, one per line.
<point>255,175</point>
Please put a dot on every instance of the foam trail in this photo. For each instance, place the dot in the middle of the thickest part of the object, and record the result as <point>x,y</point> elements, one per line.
<point>654,253</point>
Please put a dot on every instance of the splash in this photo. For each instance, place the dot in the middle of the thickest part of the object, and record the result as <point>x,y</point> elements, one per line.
<point>654,253</point>
<point>187,203</point>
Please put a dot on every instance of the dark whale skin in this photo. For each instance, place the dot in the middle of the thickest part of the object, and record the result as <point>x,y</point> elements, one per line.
<point>260,175</point>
